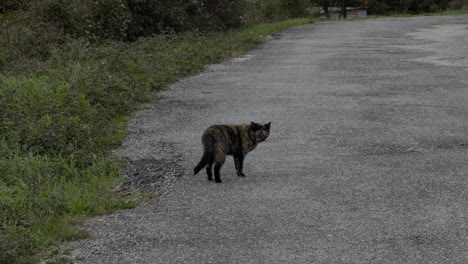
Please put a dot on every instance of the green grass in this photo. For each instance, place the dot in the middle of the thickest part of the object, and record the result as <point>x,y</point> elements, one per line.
<point>63,113</point>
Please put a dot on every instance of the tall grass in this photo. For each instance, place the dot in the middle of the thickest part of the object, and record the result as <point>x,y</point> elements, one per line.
<point>62,115</point>
<point>42,194</point>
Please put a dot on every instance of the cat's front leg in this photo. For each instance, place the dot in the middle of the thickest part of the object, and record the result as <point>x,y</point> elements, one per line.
<point>239,163</point>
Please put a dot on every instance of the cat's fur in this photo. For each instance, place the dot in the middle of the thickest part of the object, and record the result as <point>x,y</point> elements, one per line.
<point>236,140</point>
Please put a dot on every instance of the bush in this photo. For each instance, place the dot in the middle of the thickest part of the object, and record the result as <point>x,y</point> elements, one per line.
<point>130,19</point>
<point>95,20</point>
<point>297,8</point>
<point>24,38</point>
<point>162,16</point>
<point>12,5</point>
<point>34,32</point>
<point>158,16</point>
<point>274,10</point>
<point>223,14</point>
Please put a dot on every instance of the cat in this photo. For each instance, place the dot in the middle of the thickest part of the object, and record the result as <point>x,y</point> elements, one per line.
<point>236,140</point>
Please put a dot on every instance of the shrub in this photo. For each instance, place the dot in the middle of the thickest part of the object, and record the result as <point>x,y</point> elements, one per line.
<point>273,10</point>
<point>130,19</point>
<point>296,8</point>
<point>104,19</point>
<point>270,10</point>
<point>11,5</point>
<point>25,38</point>
<point>223,14</point>
<point>162,16</point>
<point>159,16</point>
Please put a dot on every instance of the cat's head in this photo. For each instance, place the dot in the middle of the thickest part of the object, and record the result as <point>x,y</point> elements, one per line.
<point>260,132</point>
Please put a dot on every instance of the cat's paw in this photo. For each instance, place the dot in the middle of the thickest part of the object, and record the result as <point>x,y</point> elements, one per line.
<point>218,181</point>
<point>240,174</point>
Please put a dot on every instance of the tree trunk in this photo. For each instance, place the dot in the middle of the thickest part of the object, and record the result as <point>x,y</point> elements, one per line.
<point>325,8</point>
<point>343,9</point>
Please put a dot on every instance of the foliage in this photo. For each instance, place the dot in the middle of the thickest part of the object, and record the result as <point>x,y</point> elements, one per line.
<point>393,7</point>
<point>104,19</point>
<point>131,19</point>
<point>11,5</point>
<point>406,6</point>
<point>273,10</point>
<point>296,8</point>
<point>458,4</point>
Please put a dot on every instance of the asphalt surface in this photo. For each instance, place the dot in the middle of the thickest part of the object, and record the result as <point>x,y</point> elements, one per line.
<point>366,161</point>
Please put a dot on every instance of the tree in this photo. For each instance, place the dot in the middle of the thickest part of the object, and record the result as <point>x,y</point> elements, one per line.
<point>325,4</point>
<point>343,9</point>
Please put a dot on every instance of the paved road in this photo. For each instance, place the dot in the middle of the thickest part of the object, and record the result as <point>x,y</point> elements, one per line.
<point>366,161</point>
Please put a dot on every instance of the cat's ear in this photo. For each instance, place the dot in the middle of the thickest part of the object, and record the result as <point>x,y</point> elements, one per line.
<point>268,126</point>
<point>254,126</point>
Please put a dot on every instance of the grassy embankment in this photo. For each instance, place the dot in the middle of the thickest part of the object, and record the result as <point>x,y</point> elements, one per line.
<point>61,115</point>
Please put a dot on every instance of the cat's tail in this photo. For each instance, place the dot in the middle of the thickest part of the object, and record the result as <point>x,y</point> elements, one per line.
<point>207,156</point>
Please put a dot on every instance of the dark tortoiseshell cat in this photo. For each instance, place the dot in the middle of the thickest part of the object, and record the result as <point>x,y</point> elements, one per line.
<point>236,140</point>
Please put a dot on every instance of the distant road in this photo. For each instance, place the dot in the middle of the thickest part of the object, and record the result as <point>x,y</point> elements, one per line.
<point>366,162</point>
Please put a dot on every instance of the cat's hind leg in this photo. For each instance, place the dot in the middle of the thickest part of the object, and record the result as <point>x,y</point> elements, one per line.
<point>209,170</point>
<point>219,159</point>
